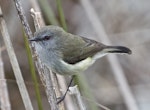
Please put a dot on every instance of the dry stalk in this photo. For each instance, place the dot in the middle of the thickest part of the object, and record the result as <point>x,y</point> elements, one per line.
<point>15,66</point>
<point>4,96</point>
<point>42,70</point>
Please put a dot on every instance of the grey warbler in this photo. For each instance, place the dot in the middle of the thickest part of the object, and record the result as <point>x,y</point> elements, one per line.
<point>68,54</point>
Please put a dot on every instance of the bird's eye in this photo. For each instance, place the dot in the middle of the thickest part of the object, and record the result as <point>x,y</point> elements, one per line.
<point>47,37</point>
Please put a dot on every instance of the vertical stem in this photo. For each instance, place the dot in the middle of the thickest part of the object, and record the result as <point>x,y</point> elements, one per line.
<point>48,12</point>
<point>33,74</point>
<point>15,66</point>
<point>61,14</point>
<point>4,97</point>
<point>43,72</point>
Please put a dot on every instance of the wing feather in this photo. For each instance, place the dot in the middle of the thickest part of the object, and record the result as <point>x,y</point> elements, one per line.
<point>83,49</point>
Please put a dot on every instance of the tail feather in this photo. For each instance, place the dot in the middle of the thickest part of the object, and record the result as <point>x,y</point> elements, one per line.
<point>117,49</point>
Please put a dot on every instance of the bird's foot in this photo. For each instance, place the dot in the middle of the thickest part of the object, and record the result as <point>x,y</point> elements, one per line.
<point>60,99</point>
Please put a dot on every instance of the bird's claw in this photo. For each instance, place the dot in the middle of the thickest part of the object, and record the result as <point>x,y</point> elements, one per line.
<point>60,99</point>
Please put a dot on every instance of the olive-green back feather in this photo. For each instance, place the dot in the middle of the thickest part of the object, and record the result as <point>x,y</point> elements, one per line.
<point>81,48</point>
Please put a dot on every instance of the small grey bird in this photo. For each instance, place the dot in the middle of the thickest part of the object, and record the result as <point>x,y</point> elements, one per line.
<point>69,54</point>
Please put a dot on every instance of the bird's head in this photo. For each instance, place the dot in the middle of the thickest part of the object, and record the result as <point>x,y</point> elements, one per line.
<point>48,37</point>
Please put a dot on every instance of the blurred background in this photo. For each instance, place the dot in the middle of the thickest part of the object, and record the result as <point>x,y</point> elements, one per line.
<point>126,23</point>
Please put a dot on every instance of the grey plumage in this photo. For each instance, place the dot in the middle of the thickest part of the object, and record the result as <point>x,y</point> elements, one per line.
<point>66,53</point>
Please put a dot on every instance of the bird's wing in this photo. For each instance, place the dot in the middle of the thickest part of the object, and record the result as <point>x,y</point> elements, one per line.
<point>82,49</point>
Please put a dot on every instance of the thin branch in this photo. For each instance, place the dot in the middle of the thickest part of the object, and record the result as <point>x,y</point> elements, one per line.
<point>37,17</point>
<point>23,18</point>
<point>38,22</point>
<point>84,87</point>
<point>4,96</point>
<point>98,104</point>
<point>15,66</point>
<point>42,70</point>
<point>57,89</point>
<point>55,79</point>
<point>33,73</point>
<point>116,67</point>
<point>77,97</point>
<point>68,99</point>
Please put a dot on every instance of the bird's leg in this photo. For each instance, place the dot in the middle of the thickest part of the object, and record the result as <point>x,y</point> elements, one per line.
<point>63,97</point>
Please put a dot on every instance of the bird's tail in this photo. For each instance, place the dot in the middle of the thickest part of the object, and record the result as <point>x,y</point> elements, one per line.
<point>117,49</point>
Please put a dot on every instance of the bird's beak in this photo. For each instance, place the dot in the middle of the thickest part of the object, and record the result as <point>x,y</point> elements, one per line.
<point>34,39</point>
